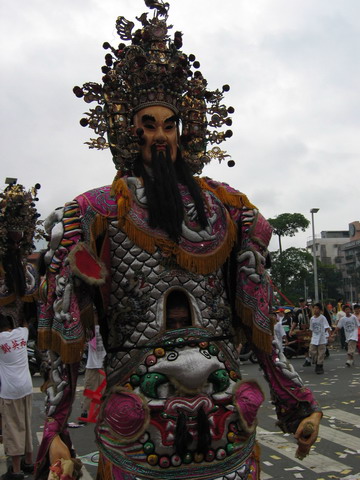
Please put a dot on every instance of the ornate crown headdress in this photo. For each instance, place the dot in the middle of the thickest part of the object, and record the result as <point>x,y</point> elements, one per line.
<point>19,218</point>
<point>152,70</point>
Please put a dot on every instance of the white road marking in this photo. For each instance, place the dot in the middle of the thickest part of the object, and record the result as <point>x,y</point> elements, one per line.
<point>315,462</point>
<point>264,476</point>
<point>343,416</point>
<point>38,389</point>
<point>337,436</point>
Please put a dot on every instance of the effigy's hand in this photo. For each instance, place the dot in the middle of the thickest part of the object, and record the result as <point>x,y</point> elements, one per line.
<point>62,466</point>
<point>307,433</point>
<point>58,450</point>
<point>65,470</point>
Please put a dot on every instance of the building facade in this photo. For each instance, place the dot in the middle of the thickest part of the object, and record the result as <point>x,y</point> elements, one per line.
<point>327,245</point>
<point>342,249</point>
<point>348,261</point>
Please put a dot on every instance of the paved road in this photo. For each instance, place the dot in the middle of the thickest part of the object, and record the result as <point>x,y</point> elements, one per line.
<point>336,454</point>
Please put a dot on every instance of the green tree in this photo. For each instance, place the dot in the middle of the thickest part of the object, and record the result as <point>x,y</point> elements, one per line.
<point>287,224</point>
<point>293,268</point>
<point>330,281</point>
<point>289,269</point>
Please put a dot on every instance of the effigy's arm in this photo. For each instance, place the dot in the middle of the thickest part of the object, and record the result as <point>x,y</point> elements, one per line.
<point>66,309</point>
<point>296,407</point>
<point>295,404</point>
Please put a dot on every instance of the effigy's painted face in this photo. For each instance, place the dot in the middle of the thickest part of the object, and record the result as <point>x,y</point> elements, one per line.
<point>160,131</point>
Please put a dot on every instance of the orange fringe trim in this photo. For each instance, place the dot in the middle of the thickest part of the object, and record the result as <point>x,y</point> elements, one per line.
<point>6,300</point>
<point>30,298</point>
<point>197,263</point>
<point>69,352</point>
<point>261,339</point>
<point>120,190</point>
<point>202,264</point>
<point>98,226</point>
<point>87,317</point>
<point>232,199</point>
<point>44,339</point>
<point>256,454</point>
<point>11,298</point>
<point>104,469</point>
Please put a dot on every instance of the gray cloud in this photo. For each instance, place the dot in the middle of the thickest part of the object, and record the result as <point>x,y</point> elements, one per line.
<point>294,74</point>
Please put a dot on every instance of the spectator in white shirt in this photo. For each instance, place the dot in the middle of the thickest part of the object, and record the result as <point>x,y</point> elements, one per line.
<point>350,324</point>
<point>318,326</point>
<point>15,398</point>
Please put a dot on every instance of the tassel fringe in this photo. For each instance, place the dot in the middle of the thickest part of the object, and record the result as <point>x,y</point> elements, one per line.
<point>98,227</point>
<point>120,190</point>
<point>232,199</point>
<point>6,300</point>
<point>104,469</point>
<point>259,337</point>
<point>195,263</point>
<point>32,297</point>
<point>69,352</point>
<point>256,454</point>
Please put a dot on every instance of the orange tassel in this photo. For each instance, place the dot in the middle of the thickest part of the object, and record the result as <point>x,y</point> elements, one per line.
<point>98,227</point>
<point>69,352</point>
<point>104,469</point>
<point>232,199</point>
<point>6,300</point>
<point>197,263</point>
<point>259,337</point>
<point>120,190</point>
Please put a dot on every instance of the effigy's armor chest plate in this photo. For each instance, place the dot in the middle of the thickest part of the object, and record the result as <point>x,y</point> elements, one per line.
<point>140,284</point>
<point>159,379</point>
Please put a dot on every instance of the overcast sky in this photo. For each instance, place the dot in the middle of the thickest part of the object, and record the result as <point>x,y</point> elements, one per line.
<point>293,67</point>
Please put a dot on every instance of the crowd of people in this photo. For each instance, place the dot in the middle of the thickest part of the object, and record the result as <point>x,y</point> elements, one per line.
<point>309,329</point>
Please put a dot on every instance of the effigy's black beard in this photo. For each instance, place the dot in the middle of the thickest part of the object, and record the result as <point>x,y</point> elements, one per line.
<point>164,201</point>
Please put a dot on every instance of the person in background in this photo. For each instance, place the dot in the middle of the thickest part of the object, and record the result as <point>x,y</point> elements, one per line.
<point>18,310</point>
<point>357,315</point>
<point>339,315</point>
<point>15,399</point>
<point>279,334</point>
<point>287,320</point>
<point>318,326</point>
<point>329,337</point>
<point>94,364</point>
<point>350,324</point>
<point>280,314</point>
<point>302,319</point>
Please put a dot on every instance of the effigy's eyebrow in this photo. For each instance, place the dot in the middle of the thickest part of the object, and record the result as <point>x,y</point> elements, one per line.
<point>147,118</point>
<point>172,119</point>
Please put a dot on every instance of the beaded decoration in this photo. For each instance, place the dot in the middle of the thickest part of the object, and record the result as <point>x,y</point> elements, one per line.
<point>19,219</point>
<point>152,70</point>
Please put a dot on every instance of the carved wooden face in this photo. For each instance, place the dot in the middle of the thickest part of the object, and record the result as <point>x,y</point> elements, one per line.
<point>160,129</point>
